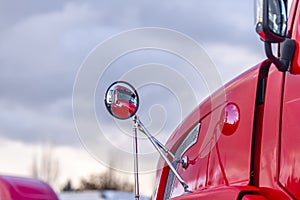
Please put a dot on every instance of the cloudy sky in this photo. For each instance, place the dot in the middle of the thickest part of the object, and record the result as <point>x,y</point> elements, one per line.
<point>43,44</point>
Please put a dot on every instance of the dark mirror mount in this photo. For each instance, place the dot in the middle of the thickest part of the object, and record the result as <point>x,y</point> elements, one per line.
<point>271,20</point>
<point>271,26</point>
<point>279,65</point>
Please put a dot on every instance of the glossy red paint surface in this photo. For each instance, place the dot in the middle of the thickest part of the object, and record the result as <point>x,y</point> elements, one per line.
<point>214,159</point>
<point>295,35</point>
<point>218,164</point>
<point>253,197</point>
<point>16,188</point>
<point>270,137</point>
<point>271,130</point>
<point>218,193</point>
<point>290,136</point>
<point>289,171</point>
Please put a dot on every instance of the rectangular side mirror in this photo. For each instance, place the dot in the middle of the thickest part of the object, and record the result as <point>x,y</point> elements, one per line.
<point>271,20</point>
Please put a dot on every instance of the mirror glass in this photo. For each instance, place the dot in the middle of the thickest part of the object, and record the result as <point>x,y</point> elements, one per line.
<point>121,100</point>
<point>277,16</point>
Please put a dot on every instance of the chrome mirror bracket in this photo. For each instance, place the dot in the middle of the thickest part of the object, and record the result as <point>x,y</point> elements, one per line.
<point>160,148</point>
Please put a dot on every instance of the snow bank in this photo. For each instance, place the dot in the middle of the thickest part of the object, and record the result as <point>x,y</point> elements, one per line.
<point>99,195</point>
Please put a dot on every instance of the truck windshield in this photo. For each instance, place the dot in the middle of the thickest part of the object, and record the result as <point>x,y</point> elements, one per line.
<point>125,95</point>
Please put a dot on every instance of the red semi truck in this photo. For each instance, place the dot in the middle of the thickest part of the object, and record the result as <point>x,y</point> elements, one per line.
<point>245,146</point>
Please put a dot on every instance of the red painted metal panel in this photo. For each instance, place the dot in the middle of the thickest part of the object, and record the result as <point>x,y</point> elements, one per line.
<point>219,159</point>
<point>295,67</point>
<point>270,126</point>
<point>271,130</point>
<point>253,197</point>
<point>274,194</point>
<point>290,136</point>
<point>219,193</point>
<point>13,188</point>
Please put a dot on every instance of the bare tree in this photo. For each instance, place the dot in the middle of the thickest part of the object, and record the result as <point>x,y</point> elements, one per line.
<point>68,186</point>
<point>108,180</point>
<point>45,166</point>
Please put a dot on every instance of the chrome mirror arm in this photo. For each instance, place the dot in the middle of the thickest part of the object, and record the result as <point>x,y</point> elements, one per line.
<point>183,161</point>
<point>160,148</point>
<point>163,147</point>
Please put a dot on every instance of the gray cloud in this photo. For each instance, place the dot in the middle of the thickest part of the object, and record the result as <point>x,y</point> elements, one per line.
<point>43,44</point>
<point>49,125</point>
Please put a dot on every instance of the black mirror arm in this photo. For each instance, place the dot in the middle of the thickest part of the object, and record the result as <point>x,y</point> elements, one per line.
<point>159,148</point>
<point>280,66</point>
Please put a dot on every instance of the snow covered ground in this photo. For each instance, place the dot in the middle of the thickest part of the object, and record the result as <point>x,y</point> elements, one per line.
<point>98,195</point>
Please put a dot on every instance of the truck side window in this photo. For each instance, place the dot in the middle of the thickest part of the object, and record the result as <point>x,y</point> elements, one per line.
<point>187,143</point>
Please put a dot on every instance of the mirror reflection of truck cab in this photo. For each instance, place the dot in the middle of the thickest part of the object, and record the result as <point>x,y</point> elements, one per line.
<point>123,103</point>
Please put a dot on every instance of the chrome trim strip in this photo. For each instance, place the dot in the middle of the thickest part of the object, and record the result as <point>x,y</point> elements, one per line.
<point>185,145</point>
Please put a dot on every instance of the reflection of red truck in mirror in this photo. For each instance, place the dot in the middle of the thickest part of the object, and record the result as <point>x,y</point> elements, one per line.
<point>246,147</point>
<point>122,101</point>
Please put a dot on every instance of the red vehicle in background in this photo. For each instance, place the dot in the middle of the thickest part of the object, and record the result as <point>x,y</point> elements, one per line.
<point>17,188</point>
<point>246,147</point>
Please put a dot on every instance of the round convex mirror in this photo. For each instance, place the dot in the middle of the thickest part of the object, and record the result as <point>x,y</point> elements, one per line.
<point>121,100</point>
